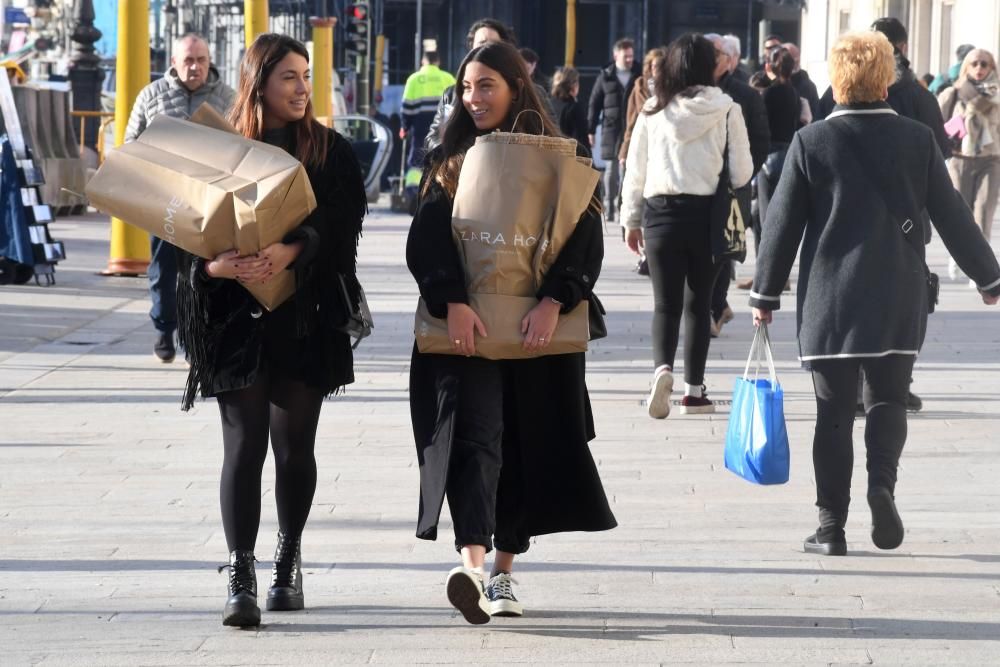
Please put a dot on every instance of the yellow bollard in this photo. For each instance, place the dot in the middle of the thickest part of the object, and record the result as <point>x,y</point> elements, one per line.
<point>379,66</point>
<point>570,32</point>
<point>255,19</point>
<point>129,245</point>
<point>322,75</point>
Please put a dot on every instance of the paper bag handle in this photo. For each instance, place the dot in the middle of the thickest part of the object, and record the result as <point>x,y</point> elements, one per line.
<point>761,339</point>
<point>518,117</point>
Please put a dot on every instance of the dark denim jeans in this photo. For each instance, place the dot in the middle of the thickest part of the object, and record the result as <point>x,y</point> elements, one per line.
<point>162,274</point>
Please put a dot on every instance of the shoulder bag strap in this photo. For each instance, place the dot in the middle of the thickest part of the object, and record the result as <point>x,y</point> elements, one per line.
<point>883,188</point>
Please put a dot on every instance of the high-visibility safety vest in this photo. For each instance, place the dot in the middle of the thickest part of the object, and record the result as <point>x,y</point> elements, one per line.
<point>424,89</point>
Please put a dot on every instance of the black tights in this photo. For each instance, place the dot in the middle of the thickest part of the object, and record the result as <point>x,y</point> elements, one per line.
<point>887,381</point>
<point>683,276</point>
<point>289,410</point>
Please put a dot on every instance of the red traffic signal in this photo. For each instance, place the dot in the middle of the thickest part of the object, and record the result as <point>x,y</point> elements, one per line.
<point>358,11</point>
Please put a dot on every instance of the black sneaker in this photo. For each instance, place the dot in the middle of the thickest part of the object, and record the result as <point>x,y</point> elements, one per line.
<point>164,348</point>
<point>887,527</point>
<point>914,403</point>
<point>466,594</point>
<point>500,593</point>
<point>825,546</point>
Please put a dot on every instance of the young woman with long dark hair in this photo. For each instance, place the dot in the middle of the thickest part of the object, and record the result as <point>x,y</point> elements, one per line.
<point>505,441</point>
<point>671,175</point>
<point>270,371</point>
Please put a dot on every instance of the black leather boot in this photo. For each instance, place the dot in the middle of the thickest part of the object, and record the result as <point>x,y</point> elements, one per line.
<point>241,607</point>
<point>829,538</point>
<point>285,593</point>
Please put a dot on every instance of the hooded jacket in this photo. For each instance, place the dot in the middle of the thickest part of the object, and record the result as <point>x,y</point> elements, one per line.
<point>169,96</point>
<point>679,150</point>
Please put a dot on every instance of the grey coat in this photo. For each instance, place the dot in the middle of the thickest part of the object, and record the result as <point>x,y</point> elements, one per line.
<point>169,96</point>
<point>862,287</point>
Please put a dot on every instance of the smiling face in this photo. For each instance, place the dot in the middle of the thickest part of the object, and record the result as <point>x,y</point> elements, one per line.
<point>286,91</point>
<point>486,96</point>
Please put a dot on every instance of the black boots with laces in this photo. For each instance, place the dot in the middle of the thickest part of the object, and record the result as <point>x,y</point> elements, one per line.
<point>285,593</point>
<point>241,607</point>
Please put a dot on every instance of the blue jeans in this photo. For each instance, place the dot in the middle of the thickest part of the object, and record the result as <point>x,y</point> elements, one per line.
<point>162,274</point>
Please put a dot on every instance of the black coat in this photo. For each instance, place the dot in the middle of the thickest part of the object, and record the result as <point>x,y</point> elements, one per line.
<point>571,118</point>
<point>547,414</point>
<point>807,90</point>
<point>754,115</point>
<point>228,336</point>
<point>609,97</point>
<point>862,286</point>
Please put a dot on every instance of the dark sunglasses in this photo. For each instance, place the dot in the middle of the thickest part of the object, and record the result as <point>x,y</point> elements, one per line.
<point>980,63</point>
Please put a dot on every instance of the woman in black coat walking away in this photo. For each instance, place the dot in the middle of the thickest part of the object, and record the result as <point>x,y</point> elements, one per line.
<point>270,371</point>
<point>783,106</point>
<point>852,193</point>
<point>505,441</point>
<point>570,113</point>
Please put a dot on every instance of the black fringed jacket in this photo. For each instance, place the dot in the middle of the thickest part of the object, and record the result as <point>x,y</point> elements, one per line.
<point>229,338</point>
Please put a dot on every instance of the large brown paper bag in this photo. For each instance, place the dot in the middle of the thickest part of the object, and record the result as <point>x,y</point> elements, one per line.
<point>206,189</point>
<point>503,342</point>
<point>518,201</point>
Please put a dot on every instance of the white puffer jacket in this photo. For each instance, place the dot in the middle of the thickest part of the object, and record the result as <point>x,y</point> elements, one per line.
<point>679,150</point>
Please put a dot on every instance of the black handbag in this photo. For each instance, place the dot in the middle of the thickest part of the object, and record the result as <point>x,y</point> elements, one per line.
<point>356,316</point>
<point>729,214</point>
<point>596,313</point>
<point>915,241</point>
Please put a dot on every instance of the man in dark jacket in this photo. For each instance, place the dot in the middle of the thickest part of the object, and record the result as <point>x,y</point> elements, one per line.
<point>191,82</point>
<point>759,132</point>
<point>607,106</point>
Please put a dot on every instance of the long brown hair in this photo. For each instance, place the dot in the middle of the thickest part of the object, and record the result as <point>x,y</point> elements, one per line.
<point>247,114</point>
<point>563,81</point>
<point>460,130</point>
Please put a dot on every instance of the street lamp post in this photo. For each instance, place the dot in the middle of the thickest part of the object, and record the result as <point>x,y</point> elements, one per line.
<point>86,74</point>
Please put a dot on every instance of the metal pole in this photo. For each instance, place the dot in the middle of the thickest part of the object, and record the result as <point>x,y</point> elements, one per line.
<point>255,15</point>
<point>418,38</point>
<point>322,95</point>
<point>750,41</point>
<point>129,245</point>
<point>570,32</point>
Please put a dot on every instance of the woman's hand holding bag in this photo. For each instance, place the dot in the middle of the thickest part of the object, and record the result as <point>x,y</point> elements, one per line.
<point>463,323</point>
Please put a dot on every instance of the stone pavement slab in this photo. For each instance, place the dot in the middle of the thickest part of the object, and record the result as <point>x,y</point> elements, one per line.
<point>111,531</point>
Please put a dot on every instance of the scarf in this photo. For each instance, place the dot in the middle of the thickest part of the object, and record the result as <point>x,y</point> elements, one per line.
<point>981,111</point>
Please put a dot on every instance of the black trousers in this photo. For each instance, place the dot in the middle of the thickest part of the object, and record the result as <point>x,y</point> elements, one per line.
<point>288,410</point>
<point>720,294</point>
<point>683,273</point>
<point>886,384</point>
<point>486,508</point>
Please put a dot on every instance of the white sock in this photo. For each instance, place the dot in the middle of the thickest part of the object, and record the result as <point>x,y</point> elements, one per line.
<point>691,390</point>
<point>660,369</point>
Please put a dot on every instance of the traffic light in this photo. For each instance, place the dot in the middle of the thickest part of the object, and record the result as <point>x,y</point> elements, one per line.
<point>358,28</point>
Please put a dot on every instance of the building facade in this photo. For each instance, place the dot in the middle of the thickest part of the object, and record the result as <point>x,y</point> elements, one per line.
<point>936,28</point>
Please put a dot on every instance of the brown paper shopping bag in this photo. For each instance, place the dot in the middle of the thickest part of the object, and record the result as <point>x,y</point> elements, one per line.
<point>518,200</point>
<point>206,189</point>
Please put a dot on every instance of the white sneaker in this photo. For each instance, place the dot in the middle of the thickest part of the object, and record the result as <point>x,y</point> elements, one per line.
<point>500,593</point>
<point>658,404</point>
<point>465,593</point>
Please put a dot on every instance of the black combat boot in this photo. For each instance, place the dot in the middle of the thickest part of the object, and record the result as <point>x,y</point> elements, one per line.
<point>829,538</point>
<point>285,593</point>
<point>241,607</point>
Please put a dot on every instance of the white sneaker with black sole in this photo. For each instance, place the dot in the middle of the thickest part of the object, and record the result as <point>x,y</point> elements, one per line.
<point>658,404</point>
<point>500,593</point>
<point>466,594</point>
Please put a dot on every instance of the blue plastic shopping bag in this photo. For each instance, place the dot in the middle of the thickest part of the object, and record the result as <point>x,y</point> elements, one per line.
<point>756,440</point>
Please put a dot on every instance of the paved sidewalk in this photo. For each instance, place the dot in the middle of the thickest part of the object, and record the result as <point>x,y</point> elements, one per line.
<point>110,530</point>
